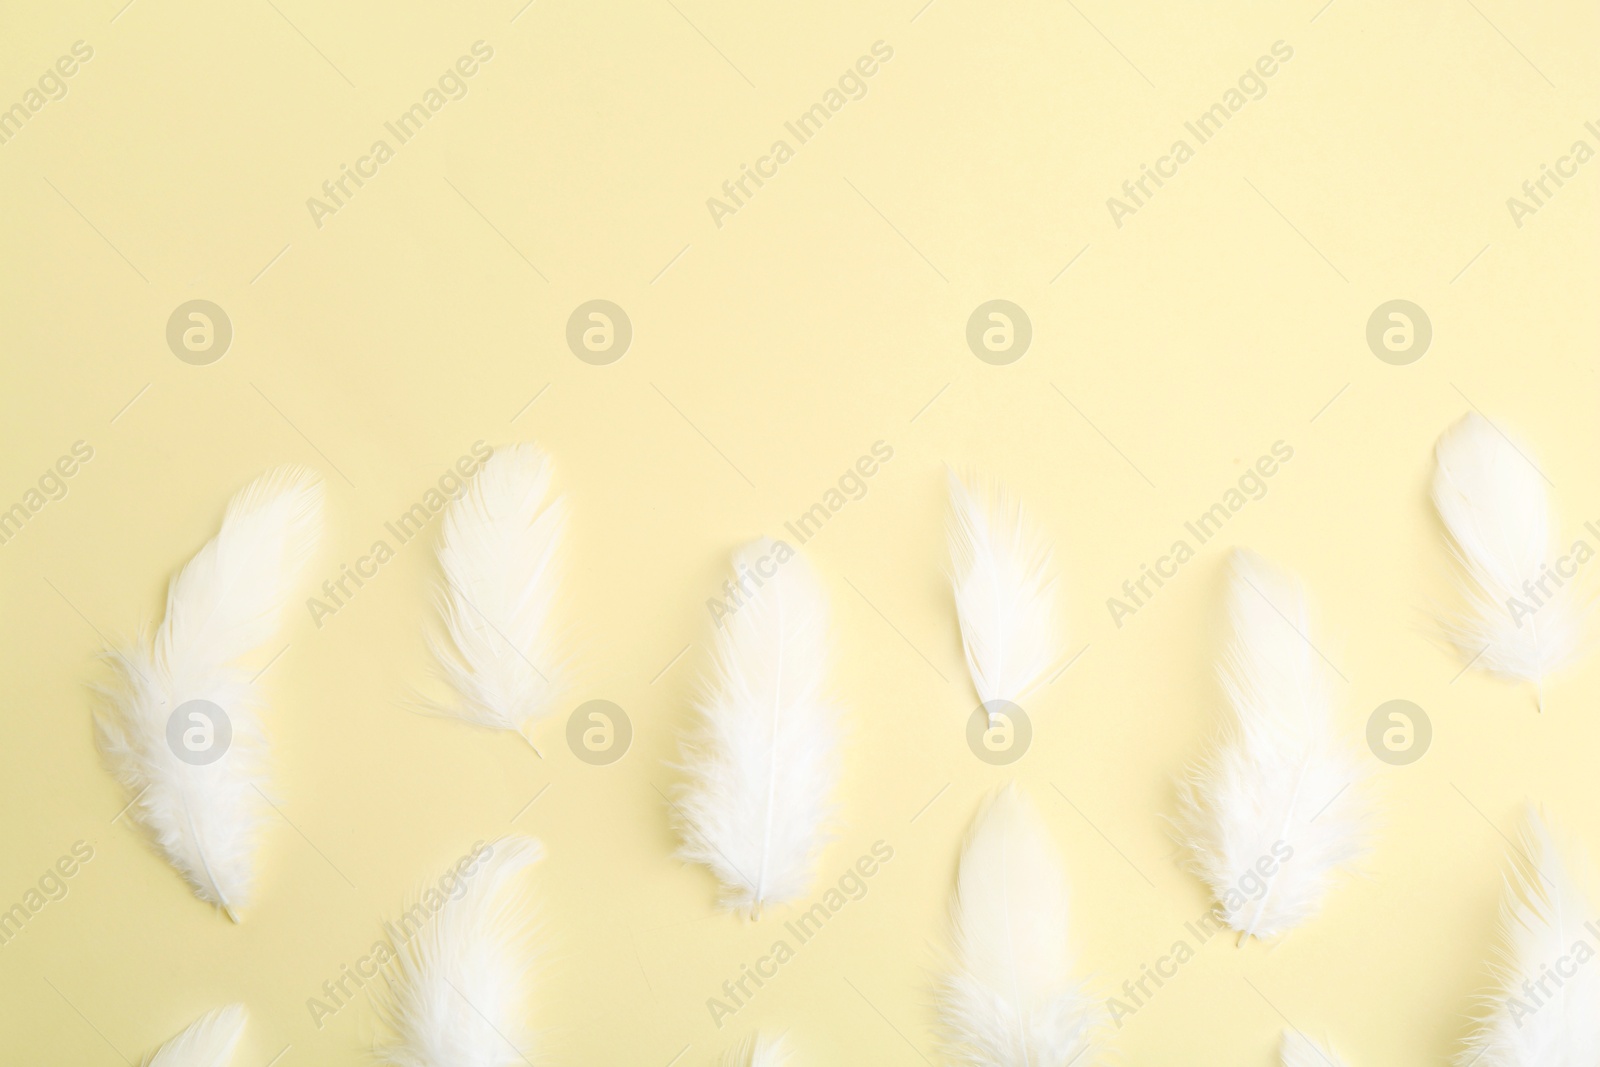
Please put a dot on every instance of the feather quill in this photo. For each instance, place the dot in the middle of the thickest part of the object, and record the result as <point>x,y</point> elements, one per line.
<point>1009,998</point>
<point>1502,532</point>
<point>1004,585</point>
<point>208,1042</point>
<point>1298,1050</point>
<point>763,758</point>
<point>759,1051</point>
<point>221,608</point>
<point>498,552</point>
<point>1281,792</point>
<point>456,993</point>
<point>1530,1020</point>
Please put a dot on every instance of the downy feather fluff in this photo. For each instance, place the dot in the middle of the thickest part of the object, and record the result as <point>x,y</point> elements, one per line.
<point>1282,790</point>
<point>1009,998</point>
<point>498,552</point>
<point>222,607</point>
<point>763,758</point>
<point>456,992</point>
<point>1502,532</point>
<point>208,1042</point>
<point>758,1050</point>
<point>1298,1050</point>
<point>1536,1016</point>
<point>1004,584</point>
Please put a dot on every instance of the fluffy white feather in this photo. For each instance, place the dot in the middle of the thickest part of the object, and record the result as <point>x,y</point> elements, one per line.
<point>1009,998</point>
<point>222,607</point>
<point>456,993</point>
<point>763,758</point>
<point>1494,505</point>
<point>1004,584</point>
<point>1275,811</point>
<point>1537,1017</point>
<point>208,1042</point>
<point>498,552</point>
<point>758,1050</point>
<point>1298,1050</point>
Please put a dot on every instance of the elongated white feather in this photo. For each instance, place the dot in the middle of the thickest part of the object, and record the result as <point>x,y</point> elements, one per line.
<point>1522,620</point>
<point>499,555</point>
<point>1298,1050</point>
<point>1275,811</point>
<point>1004,585</point>
<point>763,758</point>
<point>758,1050</point>
<point>1009,998</point>
<point>208,1042</point>
<point>221,608</point>
<point>456,993</point>
<point>1540,1015</point>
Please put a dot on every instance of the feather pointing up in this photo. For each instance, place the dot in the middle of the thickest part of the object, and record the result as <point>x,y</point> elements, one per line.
<point>208,1042</point>
<point>1298,1050</point>
<point>1009,999</point>
<point>1492,500</point>
<point>180,727</point>
<point>764,757</point>
<point>1274,812</point>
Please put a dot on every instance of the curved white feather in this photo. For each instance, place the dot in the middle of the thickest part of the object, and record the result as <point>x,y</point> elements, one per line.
<point>456,994</point>
<point>498,551</point>
<point>1009,999</point>
<point>1298,1050</point>
<point>1275,811</point>
<point>758,1050</point>
<point>1493,502</point>
<point>1004,585</point>
<point>207,1042</point>
<point>763,758</point>
<point>223,606</point>
<point>1539,1016</point>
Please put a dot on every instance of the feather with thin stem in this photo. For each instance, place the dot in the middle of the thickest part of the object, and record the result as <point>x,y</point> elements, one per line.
<point>456,991</point>
<point>223,607</point>
<point>1298,1050</point>
<point>1005,593</point>
<point>1522,619</point>
<point>499,553</point>
<point>1538,1015</point>
<point>1008,998</point>
<point>758,1050</point>
<point>1275,811</point>
<point>207,1042</point>
<point>763,758</point>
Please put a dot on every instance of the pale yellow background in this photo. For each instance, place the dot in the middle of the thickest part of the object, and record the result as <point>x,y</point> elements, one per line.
<point>767,357</point>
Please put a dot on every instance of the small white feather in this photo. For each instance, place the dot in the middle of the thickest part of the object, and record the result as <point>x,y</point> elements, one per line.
<point>1004,585</point>
<point>1298,1050</point>
<point>1009,998</point>
<point>763,758</point>
<point>1538,1017</point>
<point>758,1050</point>
<point>456,994</point>
<point>222,607</point>
<point>1493,503</point>
<point>208,1042</point>
<point>498,551</point>
<point>1281,794</point>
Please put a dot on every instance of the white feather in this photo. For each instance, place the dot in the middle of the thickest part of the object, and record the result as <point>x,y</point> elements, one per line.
<point>763,758</point>
<point>1536,1017</point>
<point>1275,810</point>
<point>1493,502</point>
<point>457,992</point>
<point>498,552</point>
<point>222,607</point>
<point>208,1042</point>
<point>1298,1050</point>
<point>1009,998</point>
<point>1004,585</point>
<point>758,1050</point>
